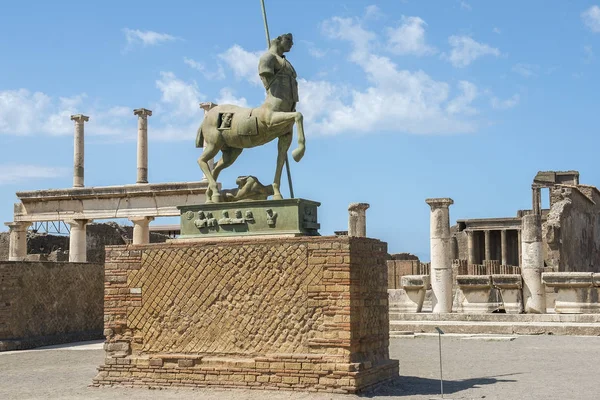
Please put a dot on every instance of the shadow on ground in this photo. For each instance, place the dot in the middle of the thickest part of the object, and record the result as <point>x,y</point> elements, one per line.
<point>413,386</point>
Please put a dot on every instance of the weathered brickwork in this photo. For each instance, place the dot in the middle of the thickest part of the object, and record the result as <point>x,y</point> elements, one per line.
<point>306,313</point>
<point>44,303</point>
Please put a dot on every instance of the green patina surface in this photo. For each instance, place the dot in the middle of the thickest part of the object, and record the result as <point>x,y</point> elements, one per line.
<point>267,217</point>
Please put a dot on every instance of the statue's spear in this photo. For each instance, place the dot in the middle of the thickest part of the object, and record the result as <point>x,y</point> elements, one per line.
<point>287,163</point>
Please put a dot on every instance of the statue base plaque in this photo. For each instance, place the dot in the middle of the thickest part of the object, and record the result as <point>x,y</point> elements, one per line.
<point>263,217</point>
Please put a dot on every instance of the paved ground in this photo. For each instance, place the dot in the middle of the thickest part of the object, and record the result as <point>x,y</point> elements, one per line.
<point>526,367</point>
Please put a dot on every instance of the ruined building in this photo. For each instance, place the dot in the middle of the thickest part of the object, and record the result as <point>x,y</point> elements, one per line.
<point>570,227</point>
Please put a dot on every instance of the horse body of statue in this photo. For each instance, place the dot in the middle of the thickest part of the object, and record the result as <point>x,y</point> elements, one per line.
<point>230,129</point>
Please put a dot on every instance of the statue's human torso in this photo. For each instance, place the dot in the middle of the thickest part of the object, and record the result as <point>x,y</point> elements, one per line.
<point>283,84</point>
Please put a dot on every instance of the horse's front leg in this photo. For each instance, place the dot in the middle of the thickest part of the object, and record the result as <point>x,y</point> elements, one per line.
<point>298,152</point>
<point>210,151</point>
<point>283,146</point>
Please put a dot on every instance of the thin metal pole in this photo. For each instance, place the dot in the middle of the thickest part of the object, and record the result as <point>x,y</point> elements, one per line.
<point>441,376</point>
<point>287,162</point>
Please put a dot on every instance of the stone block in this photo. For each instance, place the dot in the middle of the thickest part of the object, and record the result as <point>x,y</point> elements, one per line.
<point>577,292</point>
<point>411,296</point>
<point>476,295</point>
<point>511,291</point>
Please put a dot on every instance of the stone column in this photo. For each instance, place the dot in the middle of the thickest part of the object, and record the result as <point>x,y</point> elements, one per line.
<point>534,295</point>
<point>17,247</point>
<point>536,198</point>
<point>504,246</point>
<point>142,144</point>
<point>78,149</point>
<point>519,246</point>
<point>206,107</point>
<point>357,219</point>
<point>441,264</point>
<point>77,240</point>
<point>471,249</point>
<point>488,245</point>
<point>141,229</point>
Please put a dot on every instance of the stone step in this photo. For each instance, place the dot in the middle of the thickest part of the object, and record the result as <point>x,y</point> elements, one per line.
<point>499,317</point>
<point>497,327</point>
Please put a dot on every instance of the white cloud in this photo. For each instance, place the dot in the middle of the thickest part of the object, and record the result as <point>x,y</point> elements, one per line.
<point>526,70</point>
<point>227,96</point>
<point>146,38</point>
<point>181,98</point>
<point>462,103</point>
<point>465,50</point>
<point>465,6</point>
<point>409,38</point>
<point>496,30</point>
<point>396,100</point>
<point>591,18</point>
<point>589,53</point>
<point>243,63</point>
<point>219,74</point>
<point>373,12</point>
<point>505,104</point>
<point>17,173</point>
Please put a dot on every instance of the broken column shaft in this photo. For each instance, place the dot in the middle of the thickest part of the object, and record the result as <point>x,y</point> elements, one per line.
<point>142,144</point>
<point>141,229</point>
<point>78,149</point>
<point>534,295</point>
<point>357,219</point>
<point>441,263</point>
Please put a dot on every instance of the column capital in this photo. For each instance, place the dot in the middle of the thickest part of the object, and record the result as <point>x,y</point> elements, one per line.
<point>78,222</point>
<point>358,206</point>
<point>442,202</point>
<point>142,112</point>
<point>207,105</point>
<point>138,219</point>
<point>80,118</point>
<point>18,225</point>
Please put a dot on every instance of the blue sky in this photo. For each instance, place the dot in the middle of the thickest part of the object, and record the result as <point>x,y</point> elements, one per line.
<point>403,100</point>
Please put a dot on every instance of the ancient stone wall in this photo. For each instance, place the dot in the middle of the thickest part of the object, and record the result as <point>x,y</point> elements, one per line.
<point>571,232</point>
<point>4,243</point>
<point>281,313</point>
<point>45,303</point>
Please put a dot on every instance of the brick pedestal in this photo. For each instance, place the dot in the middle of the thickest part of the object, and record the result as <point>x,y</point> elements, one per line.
<point>305,313</point>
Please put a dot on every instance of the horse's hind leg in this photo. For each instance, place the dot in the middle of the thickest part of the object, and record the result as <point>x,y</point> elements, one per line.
<point>283,146</point>
<point>230,154</point>
<point>210,151</point>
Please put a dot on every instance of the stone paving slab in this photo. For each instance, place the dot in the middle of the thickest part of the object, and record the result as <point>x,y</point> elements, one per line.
<point>474,367</point>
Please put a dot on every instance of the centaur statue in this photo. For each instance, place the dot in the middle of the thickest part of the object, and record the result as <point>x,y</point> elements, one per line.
<point>231,129</point>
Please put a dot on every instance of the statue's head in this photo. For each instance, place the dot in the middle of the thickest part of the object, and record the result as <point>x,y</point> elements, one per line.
<point>283,42</point>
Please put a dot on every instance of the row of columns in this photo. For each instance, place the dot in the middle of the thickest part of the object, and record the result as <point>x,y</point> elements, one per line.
<point>17,248</point>
<point>441,259</point>
<point>142,147</point>
<point>472,247</point>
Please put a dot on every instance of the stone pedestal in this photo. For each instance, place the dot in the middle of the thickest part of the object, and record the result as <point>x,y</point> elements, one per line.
<point>299,313</point>
<point>534,295</point>
<point>475,295</point>
<point>441,263</point>
<point>17,247</point>
<point>242,218</point>
<point>511,290</point>
<point>410,298</point>
<point>577,292</point>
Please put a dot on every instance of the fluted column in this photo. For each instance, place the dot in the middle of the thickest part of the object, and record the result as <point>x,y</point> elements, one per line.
<point>536,198</point>
<point>441,263</point>
<point>488,245</point>
<point>142,144</point>
<point>78,240</point>
<point>17,247</point>
<point>141,229</point>
<point>78,149</point>
<point>534,295</point>
<point>357,219</point>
